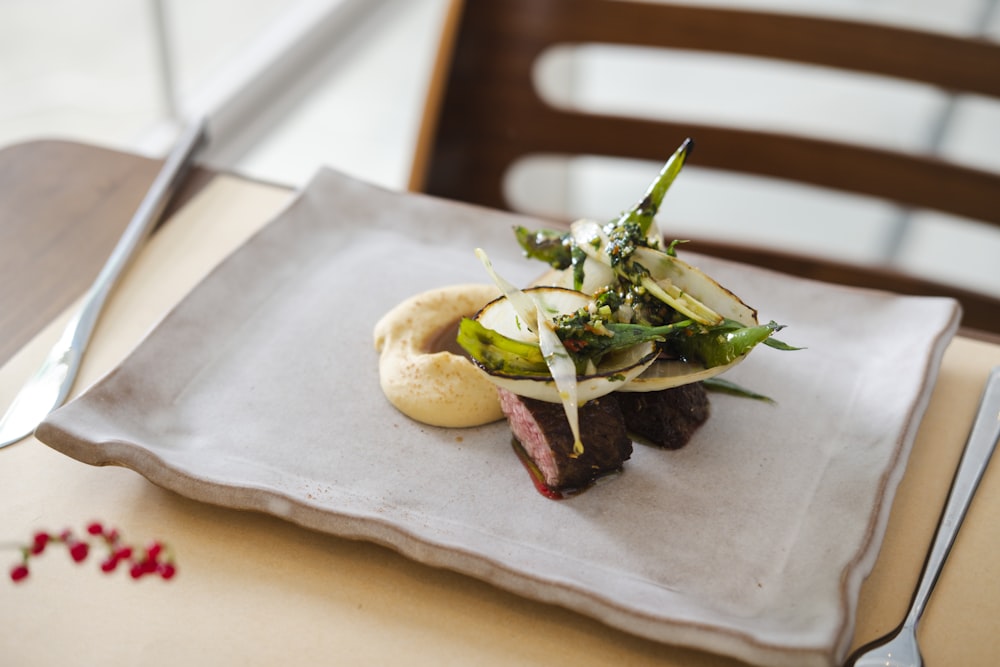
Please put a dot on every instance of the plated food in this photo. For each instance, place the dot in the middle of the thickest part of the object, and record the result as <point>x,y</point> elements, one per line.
<point>258,392</point>
<point>615,341</point>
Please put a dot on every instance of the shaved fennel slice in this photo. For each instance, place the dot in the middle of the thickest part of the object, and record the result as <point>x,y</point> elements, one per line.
<point>561,384</point>
<point>563,372</point>
<point>680,301</point>
<point>614,370</point>
<point>690,280</point>
<point>678,284</point>
<point>525,308</point>
<point>669,373</point>
<point>533,313</point>
<point>596,278</point>
<point>593,240</point>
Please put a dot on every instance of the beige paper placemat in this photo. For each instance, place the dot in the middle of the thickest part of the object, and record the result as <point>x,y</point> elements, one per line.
<point>254,590</point>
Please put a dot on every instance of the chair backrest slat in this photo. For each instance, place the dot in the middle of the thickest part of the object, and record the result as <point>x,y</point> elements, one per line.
<point>485,114</point>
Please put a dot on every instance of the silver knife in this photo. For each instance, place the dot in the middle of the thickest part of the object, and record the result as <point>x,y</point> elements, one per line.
<point>50,385</point>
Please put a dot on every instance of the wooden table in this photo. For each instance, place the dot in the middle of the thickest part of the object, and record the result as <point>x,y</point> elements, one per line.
<point>255,590</point>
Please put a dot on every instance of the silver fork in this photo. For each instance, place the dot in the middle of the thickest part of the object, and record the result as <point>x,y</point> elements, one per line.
<point>50,385</point>
<point>899,648</point>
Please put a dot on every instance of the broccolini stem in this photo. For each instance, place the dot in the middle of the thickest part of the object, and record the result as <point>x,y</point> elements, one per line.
<point>643,213</point>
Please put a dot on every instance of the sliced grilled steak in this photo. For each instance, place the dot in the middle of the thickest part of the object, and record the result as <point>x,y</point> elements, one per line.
<point>544,433</point>
<point>665,418</point>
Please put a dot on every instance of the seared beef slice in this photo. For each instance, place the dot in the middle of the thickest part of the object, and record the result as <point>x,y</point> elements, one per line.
<point>665,418</point>
<point>544,433</point>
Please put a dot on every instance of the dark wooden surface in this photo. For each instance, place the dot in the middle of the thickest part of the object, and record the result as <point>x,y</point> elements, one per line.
<point>63,206</point>
<point>484,114</point>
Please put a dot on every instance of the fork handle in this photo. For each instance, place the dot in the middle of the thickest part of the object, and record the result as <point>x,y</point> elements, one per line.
<point>976,456</point>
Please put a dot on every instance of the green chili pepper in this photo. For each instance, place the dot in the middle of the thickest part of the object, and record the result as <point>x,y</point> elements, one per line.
<point>584,342</point>
<point>723,344</point>
<point>499,353</point>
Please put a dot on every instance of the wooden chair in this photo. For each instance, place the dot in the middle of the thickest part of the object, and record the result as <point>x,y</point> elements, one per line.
<point>484,114</point>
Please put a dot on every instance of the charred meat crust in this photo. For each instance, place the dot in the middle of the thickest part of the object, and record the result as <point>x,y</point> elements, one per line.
<point>543,432</point>
<point>665,418</point>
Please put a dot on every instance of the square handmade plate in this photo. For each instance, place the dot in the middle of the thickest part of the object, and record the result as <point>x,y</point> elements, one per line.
<point>261,391</point>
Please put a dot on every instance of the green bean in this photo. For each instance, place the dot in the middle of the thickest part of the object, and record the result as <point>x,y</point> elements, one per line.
<point>723,344</point>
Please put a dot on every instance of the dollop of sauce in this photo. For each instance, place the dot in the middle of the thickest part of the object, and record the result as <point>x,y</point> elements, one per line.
<point>422,371</point>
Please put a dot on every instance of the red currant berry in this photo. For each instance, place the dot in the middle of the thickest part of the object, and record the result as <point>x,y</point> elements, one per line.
<point>153,550</point>
<point>95,528</point>
<point>167,570</point>
<point>138,570</point>
<point>123,553</point>
<point>19,572</point>
<point>78,551</point>
<point>39,543</point>
<point>109,565</point>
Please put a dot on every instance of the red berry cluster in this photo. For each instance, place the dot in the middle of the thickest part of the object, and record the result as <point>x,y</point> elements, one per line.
<point>154,559</point>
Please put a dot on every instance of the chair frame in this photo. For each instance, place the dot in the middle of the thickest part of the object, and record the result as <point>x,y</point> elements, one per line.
<point>483,114</point>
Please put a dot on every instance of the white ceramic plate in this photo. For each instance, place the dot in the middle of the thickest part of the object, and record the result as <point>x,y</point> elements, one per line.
<point>260,391</point>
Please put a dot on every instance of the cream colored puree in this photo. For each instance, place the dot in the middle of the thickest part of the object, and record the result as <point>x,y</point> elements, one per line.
<point>418,374</point>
